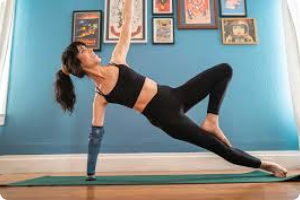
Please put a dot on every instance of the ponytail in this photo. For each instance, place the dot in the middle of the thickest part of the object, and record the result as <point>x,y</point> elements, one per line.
<point>63,86</point>
<point>64,92</point>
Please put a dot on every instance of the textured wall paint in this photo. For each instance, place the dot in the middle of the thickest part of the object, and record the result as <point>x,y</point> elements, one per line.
<point>256,113</point>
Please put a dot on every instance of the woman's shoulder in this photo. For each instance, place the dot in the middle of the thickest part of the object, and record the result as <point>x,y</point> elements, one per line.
<point>117,63</point>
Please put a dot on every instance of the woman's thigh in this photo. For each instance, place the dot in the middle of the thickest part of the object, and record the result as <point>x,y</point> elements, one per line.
<point>197,88</point>
<point>181,127</point>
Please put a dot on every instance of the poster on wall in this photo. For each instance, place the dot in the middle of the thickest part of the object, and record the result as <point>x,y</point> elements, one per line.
<point>113,21</point>
<point>162,7</point>
<point>233,8</point>
<point>163,30</point>
<point>87,28</point>
<point>197,14</point>
<point>239,31</point>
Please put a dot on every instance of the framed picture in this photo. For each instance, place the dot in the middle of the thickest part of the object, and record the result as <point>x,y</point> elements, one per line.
<point>162,7</point>
<point>233,8</point>
<point>113,21</point>
<point>239,31</point>
<point>163,30</point>
<point>197,14</point>
<point>87,28</point>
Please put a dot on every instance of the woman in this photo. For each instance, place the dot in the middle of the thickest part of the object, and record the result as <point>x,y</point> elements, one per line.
<point>162,105</point>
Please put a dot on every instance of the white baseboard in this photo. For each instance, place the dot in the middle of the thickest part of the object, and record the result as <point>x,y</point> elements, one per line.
<point>138,162</point>
<point>2,119</point>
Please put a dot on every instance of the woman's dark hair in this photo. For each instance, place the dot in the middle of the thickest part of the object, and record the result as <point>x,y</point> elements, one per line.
<point>63,85</point>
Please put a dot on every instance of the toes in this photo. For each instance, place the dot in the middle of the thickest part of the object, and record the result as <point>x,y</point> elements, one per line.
<point>283,175</point>
<point>280,175</point>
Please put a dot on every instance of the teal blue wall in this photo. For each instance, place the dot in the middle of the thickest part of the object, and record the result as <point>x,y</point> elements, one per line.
<point>256,114</point>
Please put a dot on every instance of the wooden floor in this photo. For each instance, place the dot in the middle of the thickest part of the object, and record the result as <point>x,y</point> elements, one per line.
<point>236,191</point>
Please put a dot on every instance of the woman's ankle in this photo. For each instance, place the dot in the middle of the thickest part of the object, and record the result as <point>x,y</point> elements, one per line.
<point>212,119</point>
<point>263,165</point>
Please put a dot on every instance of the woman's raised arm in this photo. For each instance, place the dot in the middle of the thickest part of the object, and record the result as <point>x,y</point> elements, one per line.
<point>120,51</point>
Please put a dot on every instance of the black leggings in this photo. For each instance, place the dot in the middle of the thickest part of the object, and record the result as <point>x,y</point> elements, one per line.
<point>167,111</point>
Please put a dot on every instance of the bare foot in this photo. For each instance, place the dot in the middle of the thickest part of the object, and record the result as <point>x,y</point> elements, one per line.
<point>276,169</point>
<point>215,130</point>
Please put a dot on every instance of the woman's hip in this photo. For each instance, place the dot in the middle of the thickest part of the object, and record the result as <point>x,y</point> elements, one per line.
<point>163,105</point>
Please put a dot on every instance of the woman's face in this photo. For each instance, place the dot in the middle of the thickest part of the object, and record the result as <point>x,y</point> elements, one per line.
<point>87,57</point>
<point>238,30</point>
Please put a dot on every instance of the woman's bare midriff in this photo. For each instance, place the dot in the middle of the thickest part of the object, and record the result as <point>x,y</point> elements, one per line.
<point>148,91</point>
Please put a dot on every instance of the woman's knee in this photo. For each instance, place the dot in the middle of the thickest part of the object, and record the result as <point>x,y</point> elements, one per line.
<point>227,69</point>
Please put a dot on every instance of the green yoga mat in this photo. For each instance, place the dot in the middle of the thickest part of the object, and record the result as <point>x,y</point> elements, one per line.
<point>249,177</point>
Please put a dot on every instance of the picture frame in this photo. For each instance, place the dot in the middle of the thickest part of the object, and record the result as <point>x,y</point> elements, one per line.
<point>239,31</point>
<point>233,8</point>
<point>162,7</point>
<point>113,21</point>
<point>163,30</point>
<point>197,14</point>
<point>87,28</point>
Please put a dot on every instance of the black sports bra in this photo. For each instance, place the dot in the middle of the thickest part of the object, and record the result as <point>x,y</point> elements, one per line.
<point>127,88</point>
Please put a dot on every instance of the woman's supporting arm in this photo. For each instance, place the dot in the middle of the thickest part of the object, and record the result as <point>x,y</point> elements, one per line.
<point>96,135</point>
<point>99,106</point>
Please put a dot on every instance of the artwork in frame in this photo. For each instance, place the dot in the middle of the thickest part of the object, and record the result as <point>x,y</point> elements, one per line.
<point>163,30</point>
<point>239,31</point>
<point>197,14</point>
<point>113,21</point>
<point>233,8</point>
<point>87,28</point>
<point>162,7</point>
